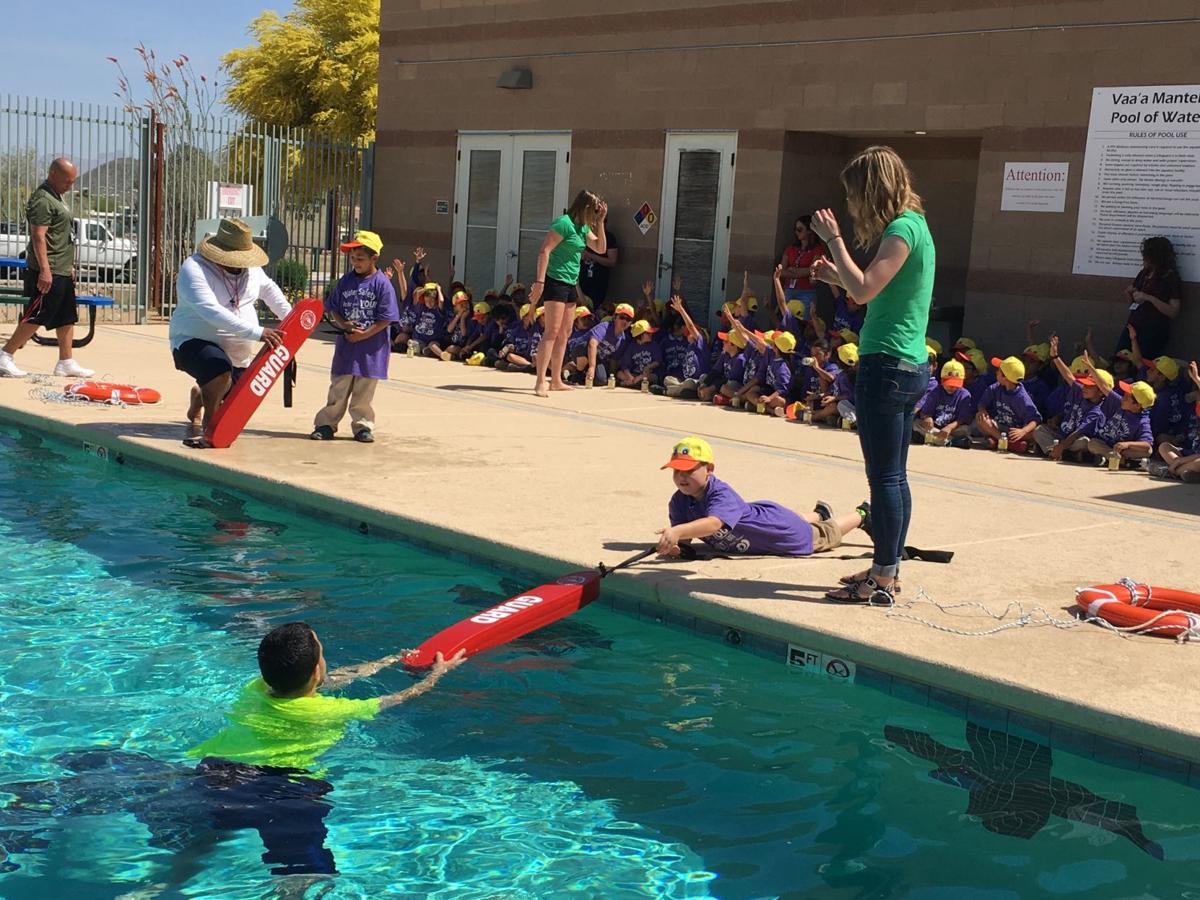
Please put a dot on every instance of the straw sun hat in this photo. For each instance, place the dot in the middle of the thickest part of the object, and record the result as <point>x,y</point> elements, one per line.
<point>232,246</point>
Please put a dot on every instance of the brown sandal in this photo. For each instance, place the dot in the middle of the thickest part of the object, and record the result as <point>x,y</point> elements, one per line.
<point>863,576</point>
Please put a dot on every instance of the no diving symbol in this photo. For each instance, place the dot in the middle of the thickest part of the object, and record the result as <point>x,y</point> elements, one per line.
<point>837,668</point>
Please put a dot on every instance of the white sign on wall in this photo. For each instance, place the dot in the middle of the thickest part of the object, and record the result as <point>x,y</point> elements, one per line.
<point>1141,177</point>
<point>1034,187</point>
<point>229,200</point>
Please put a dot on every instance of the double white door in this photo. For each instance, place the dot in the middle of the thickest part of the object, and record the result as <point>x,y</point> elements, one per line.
<point>509,188</point>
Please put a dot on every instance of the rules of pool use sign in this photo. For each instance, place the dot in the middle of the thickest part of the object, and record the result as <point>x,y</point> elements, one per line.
<point>1034,187</point>
<point>1141,177</point>
<point>825,665</point>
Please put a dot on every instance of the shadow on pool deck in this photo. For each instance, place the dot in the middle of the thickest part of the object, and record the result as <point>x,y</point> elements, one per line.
<point>1176,497</point>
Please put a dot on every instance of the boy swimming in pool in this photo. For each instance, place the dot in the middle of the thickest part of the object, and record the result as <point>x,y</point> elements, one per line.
<point>705,508</point>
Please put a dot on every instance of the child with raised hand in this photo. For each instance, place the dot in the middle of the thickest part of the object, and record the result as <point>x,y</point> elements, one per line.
<point>707,509</point>
<point>757,354</point>
<point>1006,409</point>
<point>779,373</point>
<point>642,358</point>
<point>725,374</point>
<point>363,304</point>
<point>1182,460</point>
<point>685,354</point>
<point>1081,410</point>
<point>790,312</point>
<point>946,414</point>
<point>1125,429</point>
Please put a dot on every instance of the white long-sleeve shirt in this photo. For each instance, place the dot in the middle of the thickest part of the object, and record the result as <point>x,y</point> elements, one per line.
<point>207,309</point>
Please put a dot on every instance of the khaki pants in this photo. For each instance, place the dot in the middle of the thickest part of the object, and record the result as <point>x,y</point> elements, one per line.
<point>353,391</point>
<point>1046,437</point>
<point>1097,447</point>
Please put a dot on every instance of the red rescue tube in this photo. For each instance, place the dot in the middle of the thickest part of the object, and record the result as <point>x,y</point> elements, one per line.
<point>262,373</point>
<point>1144,608</point>
<point>104,392</point>
<point>511,619</point>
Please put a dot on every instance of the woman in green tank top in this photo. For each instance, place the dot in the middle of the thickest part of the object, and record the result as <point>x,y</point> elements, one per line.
<point>893,369</point>
<point>557,274</point>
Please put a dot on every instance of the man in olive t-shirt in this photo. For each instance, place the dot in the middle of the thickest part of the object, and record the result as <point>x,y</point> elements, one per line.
<point>49,274</point>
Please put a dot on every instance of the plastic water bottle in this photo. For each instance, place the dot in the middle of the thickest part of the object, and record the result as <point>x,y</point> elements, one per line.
<point>588,381</point>
<point>736,402</point>
<point>612,381</point>
<point>929,438</point>
<point>410,350</point>
<point>1114,462</point>
<point>645,385</point>
<point>807,417</point>
<point>847,424</point>
<point>1002,444</point>
<point>762,408</point>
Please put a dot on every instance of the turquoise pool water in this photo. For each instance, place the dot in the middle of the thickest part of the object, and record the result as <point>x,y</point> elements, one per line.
<point>602,757</point>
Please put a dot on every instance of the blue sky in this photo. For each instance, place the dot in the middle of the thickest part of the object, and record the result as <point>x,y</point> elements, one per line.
<point>65,59</point>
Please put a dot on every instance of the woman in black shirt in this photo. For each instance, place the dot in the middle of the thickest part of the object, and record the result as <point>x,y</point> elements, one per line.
<point>1154,298</point>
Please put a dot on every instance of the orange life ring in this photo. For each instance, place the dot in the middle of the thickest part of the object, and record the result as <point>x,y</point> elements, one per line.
<point>103,392</point>
<point>1143,608</point>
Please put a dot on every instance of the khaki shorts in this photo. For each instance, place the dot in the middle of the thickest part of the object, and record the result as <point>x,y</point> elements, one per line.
<point>826,536</point>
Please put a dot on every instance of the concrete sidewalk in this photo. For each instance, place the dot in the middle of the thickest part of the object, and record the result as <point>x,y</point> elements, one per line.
<point>469,458</point>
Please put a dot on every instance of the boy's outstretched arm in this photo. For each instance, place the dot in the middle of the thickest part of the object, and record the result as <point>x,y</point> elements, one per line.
<point>670,537</point>
<point>344,675</point>
<point>1063,369</point>
<point>440,667</point>
<point>1100,385</point>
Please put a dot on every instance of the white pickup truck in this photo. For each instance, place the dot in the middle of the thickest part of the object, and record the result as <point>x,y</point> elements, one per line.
<point>96,249</point>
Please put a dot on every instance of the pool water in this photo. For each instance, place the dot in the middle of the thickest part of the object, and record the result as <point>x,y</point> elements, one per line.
<point>603,756</point>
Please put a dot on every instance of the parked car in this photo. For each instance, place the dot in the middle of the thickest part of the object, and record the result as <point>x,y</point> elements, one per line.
<point>97,250</point>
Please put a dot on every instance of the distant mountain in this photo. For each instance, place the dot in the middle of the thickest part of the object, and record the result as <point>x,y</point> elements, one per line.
<point>115,178</point>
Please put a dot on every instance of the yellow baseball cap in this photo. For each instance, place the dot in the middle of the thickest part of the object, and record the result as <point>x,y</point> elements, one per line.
<point>460,297</point>
<point>1087,381</point>
<point>640,327</point>
<point>516,287</point>
<point>795,307</point>
<point>734,337</point>
<point>688,454</point>
<point>848,336</point>
<point>523,311</point>
<point>582,312</point>
<point>1165,365</point>
<point>624,309</point>
<point>1040,352</point>
<point>848,353</point>
<point>751,302</point>
<point>481,309</point>
<point>978,360</point>
<point>491,292</point>
<point>1079,366</point>
<point>368,239</point>
<point>430,287</point>
<point>953,374</point>
<point>930,351</point>
<point>963,343</point>
<point>934,343</point>
<point>785,341</point>
<point>1142,393</point>
<point>1010,367</point>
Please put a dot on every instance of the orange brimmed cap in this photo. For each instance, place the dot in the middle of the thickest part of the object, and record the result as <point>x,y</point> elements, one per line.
<point>688,454</point>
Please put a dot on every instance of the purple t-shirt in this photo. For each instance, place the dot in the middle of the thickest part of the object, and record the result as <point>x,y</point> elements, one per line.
<point>1191,438</point>
<point>979,386</point>
<point>756,363</point>
<point>779,373</point>
<point>1170,408</point>
<point>757,528</point>
<point>536,333</point>
<point>843,385</point>
<point>944,408</point>
<point>1079,413</point>
<point>408,314</point>
<point>577,342</point>
<point>1009,409</point>
<point>1119,425</point>
<point>608,342</point>
<point>731,368</point>
<point>810,381</point>
<point>430,324</point>
<point>638,356</point>
<point>518,335</point>
<point>843,318</point>
<point>364,301</point>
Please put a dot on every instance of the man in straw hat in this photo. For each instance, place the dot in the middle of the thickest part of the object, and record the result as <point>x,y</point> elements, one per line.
<point>215,325</point>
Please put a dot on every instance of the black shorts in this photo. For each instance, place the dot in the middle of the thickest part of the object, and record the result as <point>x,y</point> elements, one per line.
<point>56,307</point>
<point>203,360</point>
<point>555,291</point>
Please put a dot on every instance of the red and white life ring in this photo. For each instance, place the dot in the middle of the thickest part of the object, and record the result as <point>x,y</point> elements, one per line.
<point>1143,608</point>
<point>103,392</point>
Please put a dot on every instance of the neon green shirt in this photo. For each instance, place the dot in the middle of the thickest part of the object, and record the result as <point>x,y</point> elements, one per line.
<point>898,317</point>
<point>564,258</point>
<point>272,731</point>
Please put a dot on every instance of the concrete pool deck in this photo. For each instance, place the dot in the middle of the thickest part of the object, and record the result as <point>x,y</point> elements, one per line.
<point>553,485</point>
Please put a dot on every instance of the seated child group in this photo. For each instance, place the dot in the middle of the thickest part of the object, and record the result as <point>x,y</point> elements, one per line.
<point>1129,412</point>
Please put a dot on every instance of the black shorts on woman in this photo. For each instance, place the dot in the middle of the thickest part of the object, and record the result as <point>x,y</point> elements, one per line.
<point>555,291</point>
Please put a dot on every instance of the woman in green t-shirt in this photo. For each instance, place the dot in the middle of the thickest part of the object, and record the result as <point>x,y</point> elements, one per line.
<point>557,274</point>
<point>893,368</point>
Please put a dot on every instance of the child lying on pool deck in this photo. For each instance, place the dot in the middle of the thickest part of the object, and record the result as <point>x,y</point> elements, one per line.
<point>707,509</point>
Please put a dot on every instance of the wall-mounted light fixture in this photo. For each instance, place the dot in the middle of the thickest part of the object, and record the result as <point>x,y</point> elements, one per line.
<point>516,80</point>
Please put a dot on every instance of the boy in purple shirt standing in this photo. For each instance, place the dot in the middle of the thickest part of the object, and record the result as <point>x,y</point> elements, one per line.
<point>363,304</point>
<point>705,508</point>
<point>1006,409</point>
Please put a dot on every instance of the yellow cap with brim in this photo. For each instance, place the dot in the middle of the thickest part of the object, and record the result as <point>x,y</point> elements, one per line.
<point>688,454</point>
<point>953,374</point>
<point>1142,393</point>
<point>1010,367</point>
<point>1102,376</point>
<point>367,239</point>
<point>582,312</point>
<point>1079,365</point>
<point>640,327</point>
<point>430,287</point>
<point>1040,352</point>
<point>734,337</point>
<point>624,309</point>
<point>785,341</point>
<point>1165,365</point>
<point>848,336</point>
<point>963,343</point>
<point>935,344</point>
<point>795,307</point>
<point>848,354</point>
<point>978,360</point>
<point>481,309</point>
<point>751,302</point>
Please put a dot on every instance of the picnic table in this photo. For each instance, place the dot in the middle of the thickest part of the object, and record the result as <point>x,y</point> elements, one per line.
<point>16,295</point>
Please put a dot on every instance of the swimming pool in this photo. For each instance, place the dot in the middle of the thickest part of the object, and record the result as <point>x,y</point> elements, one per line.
<point>605,756</point>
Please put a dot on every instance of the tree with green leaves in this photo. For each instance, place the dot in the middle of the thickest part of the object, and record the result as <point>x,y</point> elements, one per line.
<point>317,66</point>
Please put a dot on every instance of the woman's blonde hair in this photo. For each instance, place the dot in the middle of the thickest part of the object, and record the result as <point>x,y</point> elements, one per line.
<point>585,208</point>
<point>878,188</point>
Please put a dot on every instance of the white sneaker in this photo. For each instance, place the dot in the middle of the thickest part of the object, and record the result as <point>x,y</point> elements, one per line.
<point>9,367</point>
<point>68,368</point>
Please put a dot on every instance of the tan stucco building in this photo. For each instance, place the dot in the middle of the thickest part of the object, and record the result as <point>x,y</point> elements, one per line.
<point>729,119</point>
